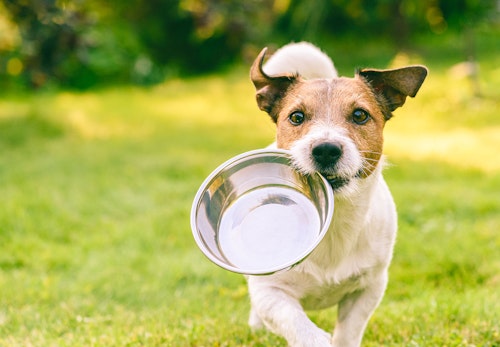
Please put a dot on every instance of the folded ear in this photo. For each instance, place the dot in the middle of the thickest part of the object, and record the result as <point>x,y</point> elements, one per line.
<point>395,85</point>
<point>270,89</point>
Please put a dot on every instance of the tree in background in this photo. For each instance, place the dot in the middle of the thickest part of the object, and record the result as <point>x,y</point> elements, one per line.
<point>397,20</point>
<point>51,38</point>
<point>80,43</point>
<point>77,43</point>
<point>196,35</point>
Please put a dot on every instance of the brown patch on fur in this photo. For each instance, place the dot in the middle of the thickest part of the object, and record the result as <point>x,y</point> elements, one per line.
<point>270,89</point>
<point>393,86</point>
<point>332,102</point>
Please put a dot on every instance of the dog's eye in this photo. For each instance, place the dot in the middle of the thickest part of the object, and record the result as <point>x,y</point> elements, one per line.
<point>360,116</point>
<point>296,118</point>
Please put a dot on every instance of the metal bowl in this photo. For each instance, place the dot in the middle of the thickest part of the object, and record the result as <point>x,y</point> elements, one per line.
<point>255,214</point>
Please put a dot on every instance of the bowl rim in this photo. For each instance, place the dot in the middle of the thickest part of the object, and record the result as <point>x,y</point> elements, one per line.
<point>286,266</point>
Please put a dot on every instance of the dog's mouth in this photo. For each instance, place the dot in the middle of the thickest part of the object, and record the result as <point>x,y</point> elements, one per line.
<point>335,181</point>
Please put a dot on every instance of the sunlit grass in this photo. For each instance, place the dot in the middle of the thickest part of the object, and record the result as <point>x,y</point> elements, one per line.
<point>446,122</point>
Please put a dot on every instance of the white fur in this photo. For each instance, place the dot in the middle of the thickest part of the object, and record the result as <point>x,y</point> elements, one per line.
<point>348,165</point>
<point>349,266</point>
<point>303,58</point>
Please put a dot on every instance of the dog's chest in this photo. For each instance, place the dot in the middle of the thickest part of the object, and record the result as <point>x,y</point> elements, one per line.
<point>329,294</point>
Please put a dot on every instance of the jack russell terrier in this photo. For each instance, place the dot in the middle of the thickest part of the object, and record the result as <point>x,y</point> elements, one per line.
<point>332,125</point>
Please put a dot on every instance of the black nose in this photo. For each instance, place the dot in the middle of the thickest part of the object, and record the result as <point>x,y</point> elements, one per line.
<point>327,153</point>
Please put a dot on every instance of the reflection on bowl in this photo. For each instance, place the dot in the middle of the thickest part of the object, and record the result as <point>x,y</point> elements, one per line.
<point>255,214</point>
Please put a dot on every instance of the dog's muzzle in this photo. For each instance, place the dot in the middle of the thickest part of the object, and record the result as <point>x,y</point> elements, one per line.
<point>326,155</point>
<point>335,181</point>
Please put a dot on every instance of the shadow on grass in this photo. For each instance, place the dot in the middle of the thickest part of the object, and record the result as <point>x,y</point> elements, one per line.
<point>18,131</point>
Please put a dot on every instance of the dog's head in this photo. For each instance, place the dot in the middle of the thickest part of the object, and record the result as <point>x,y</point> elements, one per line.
<point>334,126</point>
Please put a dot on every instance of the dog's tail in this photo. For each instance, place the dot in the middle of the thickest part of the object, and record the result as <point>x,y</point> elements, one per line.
<point>303,58</point>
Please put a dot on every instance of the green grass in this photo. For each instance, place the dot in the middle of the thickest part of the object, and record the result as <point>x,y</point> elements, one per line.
<point>96,190</point>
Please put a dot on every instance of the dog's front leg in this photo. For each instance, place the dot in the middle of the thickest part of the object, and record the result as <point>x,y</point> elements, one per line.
<point>354,311</point>
<point>283,315</point>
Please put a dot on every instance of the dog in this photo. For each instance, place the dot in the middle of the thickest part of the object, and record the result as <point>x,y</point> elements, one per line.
<point>332,125</point>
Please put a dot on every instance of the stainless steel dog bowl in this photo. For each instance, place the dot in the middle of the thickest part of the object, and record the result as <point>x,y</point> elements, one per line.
<point>255,214</point>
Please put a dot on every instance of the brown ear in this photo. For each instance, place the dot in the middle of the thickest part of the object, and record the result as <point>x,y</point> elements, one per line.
<point>270,89</point>
<point>395,85</point>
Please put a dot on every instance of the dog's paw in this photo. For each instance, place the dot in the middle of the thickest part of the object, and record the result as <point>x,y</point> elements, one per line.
<point>254,321</point>
<point>319,338</point>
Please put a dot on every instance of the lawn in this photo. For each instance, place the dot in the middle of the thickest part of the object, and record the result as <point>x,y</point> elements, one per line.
<point>96,189</point>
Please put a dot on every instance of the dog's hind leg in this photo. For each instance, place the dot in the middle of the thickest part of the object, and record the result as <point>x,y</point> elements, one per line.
<point>283,315</point>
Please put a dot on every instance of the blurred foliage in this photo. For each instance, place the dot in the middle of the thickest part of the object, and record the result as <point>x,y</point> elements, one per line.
<point>83,43</point>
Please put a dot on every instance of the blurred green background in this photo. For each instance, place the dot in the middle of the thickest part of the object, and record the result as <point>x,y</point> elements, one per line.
<point>84,43</point>
<point>113,112</point>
